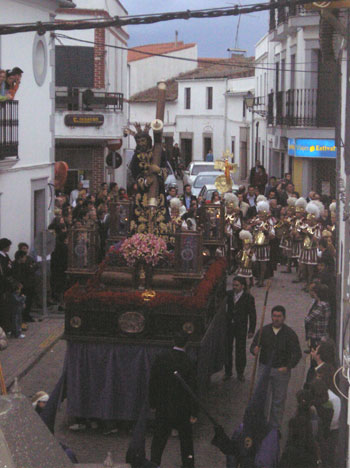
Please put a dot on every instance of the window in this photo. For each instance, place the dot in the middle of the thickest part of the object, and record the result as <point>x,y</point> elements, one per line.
<point>277,77</point>
<point>209,97</point>
<point>39,60</point>
<point>244,109</point>
<point>75,66</point>
<point>187,98</point>
<point>283,67</point>
<point>292,71</point>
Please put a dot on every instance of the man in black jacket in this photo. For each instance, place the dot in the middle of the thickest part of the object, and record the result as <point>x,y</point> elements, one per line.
<point>240,308</point>
<point>5,282</point>
<point>175,409</point>
<point>279,346</point>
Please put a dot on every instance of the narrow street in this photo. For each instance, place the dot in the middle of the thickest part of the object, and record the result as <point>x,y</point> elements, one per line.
<point>226,400</point>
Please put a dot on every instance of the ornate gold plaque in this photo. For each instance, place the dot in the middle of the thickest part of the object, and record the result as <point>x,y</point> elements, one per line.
<point>132,322</point>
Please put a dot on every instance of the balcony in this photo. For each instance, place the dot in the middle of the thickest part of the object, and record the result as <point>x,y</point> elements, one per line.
<point>286,20</point>
<point>299,108</point>
<point>78,99</point>
<point>8,129</point>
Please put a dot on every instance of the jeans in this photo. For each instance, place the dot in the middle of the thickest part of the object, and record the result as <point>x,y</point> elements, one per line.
<point>278,389</point>
<point>16,327</point>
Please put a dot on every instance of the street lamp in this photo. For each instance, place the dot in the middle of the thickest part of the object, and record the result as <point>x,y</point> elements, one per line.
<point>249,101</point>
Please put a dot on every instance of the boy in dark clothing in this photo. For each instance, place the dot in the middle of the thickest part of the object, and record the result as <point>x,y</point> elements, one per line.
<point>16,304</point>
<point>24,272</point>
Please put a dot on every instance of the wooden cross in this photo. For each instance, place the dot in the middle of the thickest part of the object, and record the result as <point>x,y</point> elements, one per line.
<point>225,165</point>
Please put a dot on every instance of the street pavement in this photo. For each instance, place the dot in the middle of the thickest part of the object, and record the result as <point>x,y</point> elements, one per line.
<point>226,400</point>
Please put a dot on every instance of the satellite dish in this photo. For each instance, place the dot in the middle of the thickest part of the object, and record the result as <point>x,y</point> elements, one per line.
<point>114,160</point>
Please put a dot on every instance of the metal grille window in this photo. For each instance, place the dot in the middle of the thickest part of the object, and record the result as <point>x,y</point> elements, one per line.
<point>8,129</point>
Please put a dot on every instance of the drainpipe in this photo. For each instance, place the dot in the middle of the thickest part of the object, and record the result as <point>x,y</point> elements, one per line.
<point>225,116</point>
<point>257,140</point>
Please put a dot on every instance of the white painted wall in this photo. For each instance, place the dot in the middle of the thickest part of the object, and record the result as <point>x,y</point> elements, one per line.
<point>223,122</point>
<point>116,79</point>
<point>145,73</point>
<point>36,122</point>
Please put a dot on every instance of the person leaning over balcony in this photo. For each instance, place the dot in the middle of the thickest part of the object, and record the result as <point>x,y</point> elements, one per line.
<point>13,81</point>
<point>4,95</point>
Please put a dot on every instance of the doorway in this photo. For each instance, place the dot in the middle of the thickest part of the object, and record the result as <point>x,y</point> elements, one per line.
<point>207,145</point>
<point>186,150</point>
<point>39,223</point>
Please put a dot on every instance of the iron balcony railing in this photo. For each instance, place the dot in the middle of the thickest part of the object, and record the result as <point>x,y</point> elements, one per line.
<point>8,129</point>
<point>270,100</point>
<point>298,108</point>
<point>281,14</point>
<point>77,99</point>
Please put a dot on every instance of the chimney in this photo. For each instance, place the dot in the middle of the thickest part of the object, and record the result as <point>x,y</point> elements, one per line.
<point>176,37</point>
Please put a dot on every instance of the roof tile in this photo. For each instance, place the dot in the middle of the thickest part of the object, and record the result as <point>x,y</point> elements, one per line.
<point>240,67</point>
<point>164,48</point>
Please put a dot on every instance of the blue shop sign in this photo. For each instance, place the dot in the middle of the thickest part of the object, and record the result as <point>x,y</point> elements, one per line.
<point>311,148</point>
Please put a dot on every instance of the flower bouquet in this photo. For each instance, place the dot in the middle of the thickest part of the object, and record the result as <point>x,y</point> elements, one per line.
<point>145,248</point>
<point>143,251</point>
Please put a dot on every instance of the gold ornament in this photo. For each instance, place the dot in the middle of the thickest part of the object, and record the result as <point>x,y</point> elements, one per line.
<point>148,295</point>
<point>222,184</point>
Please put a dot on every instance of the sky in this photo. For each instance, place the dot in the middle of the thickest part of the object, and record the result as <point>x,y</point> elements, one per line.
<point>213,36</point>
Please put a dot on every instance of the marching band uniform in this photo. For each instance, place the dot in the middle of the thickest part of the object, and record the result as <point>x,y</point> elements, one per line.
<point>263,231</point>
<point>245,256</point>
<point>285,228</point>
<point>233,225</point>
<point>176,211</point>
<point>311,232</point>
<point>333,212</point>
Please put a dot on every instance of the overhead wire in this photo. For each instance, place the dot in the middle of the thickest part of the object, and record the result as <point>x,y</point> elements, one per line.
<point>119,21</point>
<point>187,59</point>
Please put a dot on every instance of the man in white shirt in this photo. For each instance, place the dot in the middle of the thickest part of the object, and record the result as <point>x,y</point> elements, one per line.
<point>74,195</point>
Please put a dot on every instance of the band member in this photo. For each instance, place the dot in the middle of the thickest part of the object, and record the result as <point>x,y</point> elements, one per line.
<point>263,231</point>
<point>285,227</point>
<point>297,238</point>
<point>176,211</point>
<point>246,257</point>
<point>233,224</point>
<point>311,232</point>
<point>333,216</point>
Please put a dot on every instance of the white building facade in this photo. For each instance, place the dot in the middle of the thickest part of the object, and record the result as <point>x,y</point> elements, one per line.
<point>146,70</point>
<point>295,81</point>
<point>27,124</point>
<point>204,110</point>
<point>91,87</point>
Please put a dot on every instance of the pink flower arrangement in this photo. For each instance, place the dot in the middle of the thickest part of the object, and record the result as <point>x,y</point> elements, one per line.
<point>146,248</point>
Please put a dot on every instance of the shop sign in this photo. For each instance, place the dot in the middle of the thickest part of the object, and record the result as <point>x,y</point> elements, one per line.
<point>84,120</point>
<point>311,148</point>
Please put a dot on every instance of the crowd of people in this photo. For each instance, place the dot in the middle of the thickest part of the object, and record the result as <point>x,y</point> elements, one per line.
<point>21,277</point>
<point>17,288</point>
<point>10,81</point>
<point>267,224</point>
